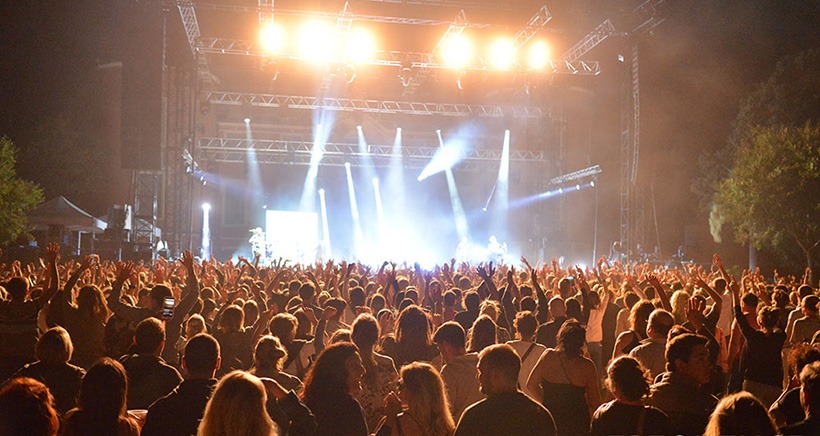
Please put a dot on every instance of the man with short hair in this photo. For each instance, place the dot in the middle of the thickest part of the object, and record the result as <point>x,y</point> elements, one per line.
<point>651,352</point>
<point>466,318</point>
<point>506,410</point>
<point>547,333</point>
<point>805,327</point>
<point>460,368</point>
<point>179,412</point>
<point>679,392</point>
<point>810,399</point>
<point>149,377</point>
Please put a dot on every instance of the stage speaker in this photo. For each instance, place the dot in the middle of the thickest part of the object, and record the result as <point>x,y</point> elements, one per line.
<point>142,57</point>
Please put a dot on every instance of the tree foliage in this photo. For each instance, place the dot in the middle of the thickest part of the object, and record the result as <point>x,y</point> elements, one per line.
<point>772,197</point>
<point>17,196</point>
<point>788,98</point>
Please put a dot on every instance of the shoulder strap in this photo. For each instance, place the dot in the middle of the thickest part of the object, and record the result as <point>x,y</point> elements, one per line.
<point>527,353</point>
<point>641,421</point>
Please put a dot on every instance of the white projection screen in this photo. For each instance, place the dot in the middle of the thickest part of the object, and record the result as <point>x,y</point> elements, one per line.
<point>292,235</point>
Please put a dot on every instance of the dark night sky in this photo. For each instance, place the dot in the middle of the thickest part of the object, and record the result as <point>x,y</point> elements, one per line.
<point>695,69</point>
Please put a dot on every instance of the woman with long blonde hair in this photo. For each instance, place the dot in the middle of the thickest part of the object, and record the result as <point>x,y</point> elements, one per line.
<point>237,408</point>
<point>421,406</point>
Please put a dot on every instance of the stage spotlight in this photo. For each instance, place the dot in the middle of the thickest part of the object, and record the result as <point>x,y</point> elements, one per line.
<point>271,38</point>
<point>502,54</point>
<point>538,56</point>
<point>457,51</point>
<point>247,120</point>
<point>592,184</point>
<point>398,129</point>
<point>205,251</point>
<point>321,191</point>
<point>438,131</point>
<point>359,127</point>
<point>361,46</point>
<point>316,41</point>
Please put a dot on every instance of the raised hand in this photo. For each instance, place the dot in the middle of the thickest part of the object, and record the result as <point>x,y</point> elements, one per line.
<point>124,270</point>
<point>328,313</point>
<point>53,253</point>
<point>694,313</point>
<point>187,261</point>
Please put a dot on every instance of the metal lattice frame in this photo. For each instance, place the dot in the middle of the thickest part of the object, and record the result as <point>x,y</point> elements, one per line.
<point>456,28</point>
<point>536,23</point>
<point>145,210</point>
<point>188,14</point>
<point>392,58</point>
<point>338,153</point>
<point>588,42</point>
<point>632,231</point>
<point>373,106</point>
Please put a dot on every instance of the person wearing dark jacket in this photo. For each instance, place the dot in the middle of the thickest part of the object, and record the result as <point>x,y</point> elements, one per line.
<point>179,412</point>
<point>506,410</point>
<point>810,398</point>
<point>149,377</point>
<point>52,368</point>
<point>679,393</point>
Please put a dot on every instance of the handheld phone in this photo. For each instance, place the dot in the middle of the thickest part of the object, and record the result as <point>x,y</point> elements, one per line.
<point>168,307</point>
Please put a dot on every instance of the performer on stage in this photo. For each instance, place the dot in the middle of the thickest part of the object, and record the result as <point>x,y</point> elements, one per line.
<point>258,243</point>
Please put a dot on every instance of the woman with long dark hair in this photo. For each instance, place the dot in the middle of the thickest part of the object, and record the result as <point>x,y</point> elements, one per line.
<point>413,338</point>
<point>330,388</point>
<point>566,381</point>
<point>101,408</point>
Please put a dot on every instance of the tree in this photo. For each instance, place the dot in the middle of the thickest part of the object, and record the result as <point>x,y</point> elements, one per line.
<point>772,196</point>
<point>17,196</point>
<point>788,98</point>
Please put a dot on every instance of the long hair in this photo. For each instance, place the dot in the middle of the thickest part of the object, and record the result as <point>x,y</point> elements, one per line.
<point>102,397</point>
<point>740,413</point>
<point>427,398</point>
<point>365,334</point>
<point>413,334</point>
<point>27,407</point>
<point>483,334</point>
<point>91,304</point>
<point>328,377</point>
<point>237,408</point>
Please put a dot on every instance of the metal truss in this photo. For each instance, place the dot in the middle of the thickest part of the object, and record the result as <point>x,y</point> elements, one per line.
<point>337,153</point>
<point>536,23</point>
<point>455,29</point>
<point>332,15</point>
<point>373,106</point>
<point>188,14</point>
<point>393,58</point>
<point>265,11</point>
<point>649,17</point>
<point>145,210</point>
<point>588,42</point>
<point>575,175</point>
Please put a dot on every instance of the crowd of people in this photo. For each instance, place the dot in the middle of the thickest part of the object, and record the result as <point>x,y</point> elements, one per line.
<point>187,347</point>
